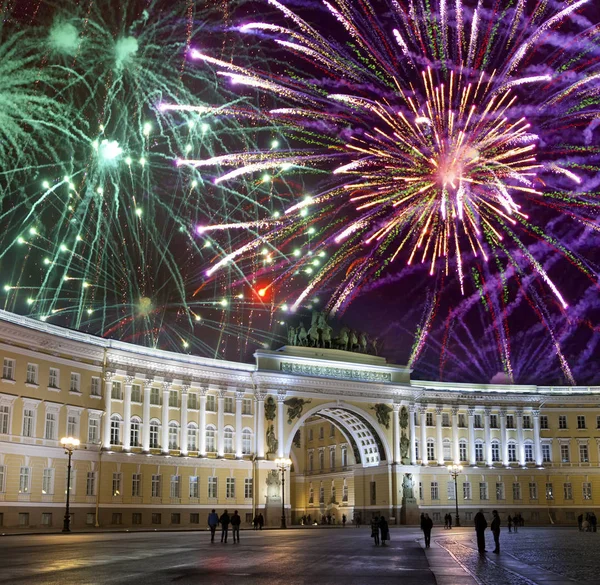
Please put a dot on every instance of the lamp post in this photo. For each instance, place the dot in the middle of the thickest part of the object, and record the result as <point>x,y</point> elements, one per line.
<point>282,464</point>
<point>70,444</point>
<point>455,471</point>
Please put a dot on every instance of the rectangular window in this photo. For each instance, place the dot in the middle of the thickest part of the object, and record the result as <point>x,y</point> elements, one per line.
<point>156,486</point>
<point>510,421</point>
<point>562,421</point>
<point>549,491</point>
<point>90,484</point>
<point>75,382</point>
<point>247,406</point>
<point>194,518</point>
<point>546,453</point>
<point>116,484</point>
<point>230,488</point>
<point>483,491</point>
<point>175,486</point>
<point>494,421</point>
<point>528,453</point>
<point>23,518</point>
<point>467,490</point>
<point>54,378</point>
<point>587,490</point>
<point>136,485</point>
<point>499,491</point>
<point>321,495</point>
<point>4,419</point>
<point>544,422</point>
<point>72,426</point>
<point>248,488</point>
<point>210,403</point>
<point>24,479</point>
<point>311,494</point>
<point>228,404</point>
<point>462,451</point>
<point>430,450</point>
<point>175,518</point>
<point>136,518</point>
<point>533,491</point>
<point>565,455</point>
<point>46,519</point>
<point>136,393</point>
<point>445,419</point>
<point>93,428</point>
<point>435,493</point>
<point>194,486</point>
<point>526,422</point>
<point>2,476</point>
<point>512,452</point>
<point>332,430</point>
<point>373,492</point>
<point>32,374</point>
<point>310,434</point>
<point>116,391</point>
<point>212,487</point>
<point>580,421</point>
<point>50,431</point>
<point>173,399</point>
<point>584,455</point>
<point>117,518</point>
<point>451,491</point>
<point>345,493</point>
<point>479,452</point>
<point>90,518</point>
<point>8,369</point>
<point>321,433</point>
<point>478,423</point>
<point>429,419</point>
<point>568,491</point>
<point>193,401</point>
<point>461,421</point>
<point>28,422</point>
<point>48,481</point>
<point>156,518</point>
<point>516,491</point>
<point>495,451</point>
<point>95,388</point>
<point>155,396</point>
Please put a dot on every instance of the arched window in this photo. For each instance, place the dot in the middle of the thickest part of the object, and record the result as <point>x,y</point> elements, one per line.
<point>495,451</point>
<point>529,452</point>
<point>321,460</point>
<point>246,442</point>
<point>430,449</point>
<point>154,428</point>
<point>135,431</point>
<point>447,450</point>
<point>311,461</point>
<point>512,452</point>
<point>478,451</point>
<point>192,436</point>
<point>462,450</point>
<point>345,492</point>
<point>211,445</point>
<point>115,429</point>
<point>173,435</point>
<point>228,439</point>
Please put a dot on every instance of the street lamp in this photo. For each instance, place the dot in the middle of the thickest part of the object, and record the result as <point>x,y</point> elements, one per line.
<point>70,444</point>
<point>282,464</point>
<point>455,471</point>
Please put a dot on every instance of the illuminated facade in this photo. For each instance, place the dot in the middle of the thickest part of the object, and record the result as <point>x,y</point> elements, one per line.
<point>165,437</point>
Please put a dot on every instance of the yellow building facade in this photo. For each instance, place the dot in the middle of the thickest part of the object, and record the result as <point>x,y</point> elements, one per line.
<point>166,437</point>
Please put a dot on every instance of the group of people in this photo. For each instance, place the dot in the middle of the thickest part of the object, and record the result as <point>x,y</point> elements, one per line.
<point>379,525</point>
<point>515,521</point>
<point>224,520</point>
<point>587,524</point>
<point>448,521</point>
<point>480,526</point>
<point>258,522</point>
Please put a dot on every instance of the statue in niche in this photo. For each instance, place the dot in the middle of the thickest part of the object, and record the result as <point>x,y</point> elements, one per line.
<point>297,439</point>
<point>270,408</point>
<point>403,419</point>
<point>273,484</point>
<point>272,442</point>
<point>295,407</point>
<point>404,445</point>
<point>407,485</point>
<point>383,414</point>
<point>291,336</point>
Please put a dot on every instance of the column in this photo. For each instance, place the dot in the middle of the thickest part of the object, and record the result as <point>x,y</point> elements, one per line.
<point>396,433</point>
<point>260,425</point>
<point>127,414</point>
<point>183,439</point>
<point>202,425</point>
<point>239,397</point>
<point>455,438</point>
<point>471,413</point>
<point>520,439</point>
<point>488,437</point>
<point>438,430</point>
<point>504,437</point>
<point>165,418</point>
<point>413,434</point>
<point>107,408</point>
<point>423,411</point>
<point>146,414</point>
<point>280,421</point>
<point>221,423</point>
<point>537,444</point>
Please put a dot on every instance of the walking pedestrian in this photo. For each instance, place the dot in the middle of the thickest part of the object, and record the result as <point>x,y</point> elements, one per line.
<point>446,522</point>
<point>428,526</point>
<point>225,520</point>
<point>593,521</point>
<point>384,529</point>
<point>480,526</point>
<point>375,529</point>
<point>509,523</point>
<point>449,521</point>
<point>580,522</point>
<point>343,520</point>
<point>235,526</point>
<point>261,521</point>
<point>213,520</point>
<point>255,522</point>
<point>495,527</point>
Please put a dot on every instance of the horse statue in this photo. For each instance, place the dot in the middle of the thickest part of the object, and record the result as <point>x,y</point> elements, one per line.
<point>313,336</point>
<point>353,341</point>
<point>301,335</point>
<point>362,342</point>
<point>326,335</point>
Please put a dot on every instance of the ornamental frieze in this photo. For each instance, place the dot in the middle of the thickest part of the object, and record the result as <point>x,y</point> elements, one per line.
<point>335,372</point>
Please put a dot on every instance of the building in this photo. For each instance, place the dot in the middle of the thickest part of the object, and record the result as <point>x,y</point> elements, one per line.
<point>165,437</point>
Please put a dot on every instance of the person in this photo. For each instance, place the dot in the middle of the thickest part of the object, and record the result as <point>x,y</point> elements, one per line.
<point>225,520</point>
<point>255,522</point>
<point>480,526</point>
<point>384,529</point>
<point>357,520</point>
<point>428,526</point>
<point>495,527</point>
<point>261,521</point>
<point>343,520</point>
<point>509,523</point>
<point>593,521</point>
<point>213,520</point>
<point>580,522</point>
<point>446,524</point>
<point>449,521</point>
<point>516,522</point>
<point>375,529</point>
<point>235,526</point>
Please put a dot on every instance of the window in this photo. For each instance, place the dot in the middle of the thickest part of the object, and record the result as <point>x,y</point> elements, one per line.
<point>134,437</point>
<point>373,491</point>
<point>193,401</point>
<point>4,419</point>
<point>495,451</point>
<point>75,382</point>
<point>46,519</point>
<point>50,430</point>
<point>228,440</point>
<point>228,405</point>
<point>32,374</point>
<point>447,449</point>
<point>528,453</point>
<point>321,461</point>
<point>584,455</point>
<point>173,435</point>
<point>483,490</point>
<point>247,406</point>
<point>479,452</point>
<point>344,457</point>
<point>598,422</point>
<point>546,453</point>
<point>461,421</point>
<point>175,486</point>
<point>587,490</point>
<point>451,493</point>
<point>499,491</point>
<point>156,486</point>
<point>429,419</point>
<point>510,421</point>
<point>512,453</point>
<point>246,442</point>
<point>194,486</point>
<point>210,439</point>
<point>549,491</point>
<point>116,484</point>
<point>333,496</point>
<point>462,450</point>
<point>478,423</point>
<point>93,430</point>
<point>8,369</point>
<point>212,487</point>
<point>430,449</point>
<point>310,434</point>
<point>136,518</point>
<point>136,485</point>
<point>526,422</point>
<point>248,488</point>
<point>210,403</point>
<point>494,421</point>
<point>321,494</point>
<point>95,388</point>
<point>28,422</point>
<point>321,433</point>
<point>194,518</point>
<point>156,518</point>
<point>155,396</point>
<point>54,378</point>
<point>48,481</point>
<point>580,421</point>
<point>562,421</point>
<point>173,399</point>
<point>544,422</point>
<point>72,426</point>
<point>516,491</point>
<point>445,419</point>
<point>568,491</point>
<point>435,493</point>
<point>345,492</point>
<point>23,518</point>
<point>115,429</point>
<point>192,436</point>
<point>332,458</point>
<point>136,393</point>
<point>154,434</point>
<point>311,462</point>
<point>90,484</point>
<point>117,518</point>
<point>311,494</point>
<point>533,491</point>
<point>71,485</point>
<point>467,490</point>
<point>565,453</point>
<point>24,479</point>
<point>420,490</point>
<point>175,518</point>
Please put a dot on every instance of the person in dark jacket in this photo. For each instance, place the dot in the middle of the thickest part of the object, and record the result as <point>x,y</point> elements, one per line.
<point>509,521</point>
<point>261,521</point>
<point>495,527</point>
<point>384,529</point>
<point>449,521</point>
<point>580,522</point>
<point>375,529</point>
<point>427,526</point>
<point>224,520</point>
<point>235,526</point>
<point>480,526</point>
<point>213,520</point>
